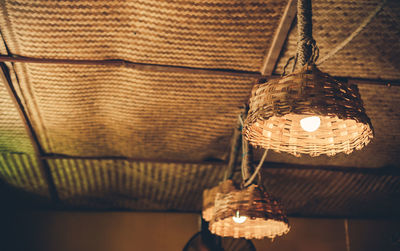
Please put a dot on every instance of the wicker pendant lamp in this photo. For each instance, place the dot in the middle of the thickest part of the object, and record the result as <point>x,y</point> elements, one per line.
<point>307,111</point>
<point>226,185</point>
<point>250,212</point>
<point>209,196</point>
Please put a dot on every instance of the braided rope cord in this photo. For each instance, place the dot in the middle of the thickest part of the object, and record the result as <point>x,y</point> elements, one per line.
<point>307,50</point>
<point>304,29</point>
<point>235,147</point>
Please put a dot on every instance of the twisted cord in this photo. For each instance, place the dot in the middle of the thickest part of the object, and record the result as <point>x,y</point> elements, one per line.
<point>304,29</point>
<point>286,65</point>
<point>247,179</point>
<point>307,50</point>
<point>235,147</point>
<point>250,180</point>
<point>245,148</point>
<point>245,159</point>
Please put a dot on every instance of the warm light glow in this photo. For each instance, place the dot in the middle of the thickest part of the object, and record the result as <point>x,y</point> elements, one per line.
<point>310,124</point>
<point>239,219</point>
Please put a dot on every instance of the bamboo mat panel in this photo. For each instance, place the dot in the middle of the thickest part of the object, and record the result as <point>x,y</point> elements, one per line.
<point>323,193</point>
<point>124,185</point>
<point>374,53</point>
<point>13,135</point>
<point>382,106</point>
<point>210,34</point>
<point>119,184</point>
<point>18,164</point>
<point>119,111</point>
<point>21,171</point>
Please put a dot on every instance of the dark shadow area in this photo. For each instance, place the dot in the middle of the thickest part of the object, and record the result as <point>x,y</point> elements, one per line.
<point>19,231</point>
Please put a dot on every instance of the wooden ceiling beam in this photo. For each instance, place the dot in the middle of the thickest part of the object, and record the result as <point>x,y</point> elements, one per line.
<point>43,165</point>
<point>281,34</point>
<point>222,164</point>
<point>134,65</point>
<point>170,68</point>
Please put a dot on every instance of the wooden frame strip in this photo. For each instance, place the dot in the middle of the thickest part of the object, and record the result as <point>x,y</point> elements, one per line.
<point>43,165</point>
<point>281,34</point>
<point>134,65</point>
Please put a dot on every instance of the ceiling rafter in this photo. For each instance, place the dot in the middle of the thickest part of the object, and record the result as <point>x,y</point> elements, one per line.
<point>179,69</point>
<point>134,65</point>
<point>281,34</point>
<point>266,165</point>
<point>5,75</point>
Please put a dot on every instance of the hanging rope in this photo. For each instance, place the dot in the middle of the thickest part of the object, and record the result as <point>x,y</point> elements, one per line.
<point>247,179</point>
<point>235,146</point>
<point>250,180</point>
<point>307,50</point>
<point>244,167</point>
<point>305,42</point>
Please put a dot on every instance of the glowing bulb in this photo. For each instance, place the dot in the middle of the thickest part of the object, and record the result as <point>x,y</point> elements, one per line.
<point>239,219</point>
<point>310,124</point>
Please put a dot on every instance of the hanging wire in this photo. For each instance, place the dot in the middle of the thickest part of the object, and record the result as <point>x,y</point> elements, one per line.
<point>306,40</point>
<point>245,162</point>
<point>250,180</point>
<point>286,65</point>
<point>294,64</point>
<point>235,147</point>
<point>245,157</point>
<point>363,24</point>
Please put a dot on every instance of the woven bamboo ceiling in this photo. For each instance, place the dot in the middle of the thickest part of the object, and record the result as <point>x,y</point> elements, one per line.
<point>132,104</point>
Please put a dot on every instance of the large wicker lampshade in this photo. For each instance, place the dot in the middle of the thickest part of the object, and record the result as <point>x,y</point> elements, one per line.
<point>250,213</point>
<point>209,196</point>
<point>307,111</point>
<point>279,108</point>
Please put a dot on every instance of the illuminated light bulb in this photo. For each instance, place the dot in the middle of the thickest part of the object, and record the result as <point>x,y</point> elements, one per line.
<point>239,219</point>
<point>310,124</point>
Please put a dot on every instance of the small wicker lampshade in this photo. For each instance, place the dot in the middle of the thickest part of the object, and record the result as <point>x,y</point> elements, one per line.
<point>264,215</point>
<point>278,106</point>
<point>209,196</point>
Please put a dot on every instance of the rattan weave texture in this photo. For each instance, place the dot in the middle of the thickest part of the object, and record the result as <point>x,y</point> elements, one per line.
<point>13,135</point>
<point>381,104</point>
<point>276,108</point>
<point>21,171</point>
<point>106,184</point>
<point>374,53</point>
<point>334,193</point>
<point>119,184</point>
<point>209,196</point>
<point>118,111</point>
<point>211,34</point>
<point>265,217</point>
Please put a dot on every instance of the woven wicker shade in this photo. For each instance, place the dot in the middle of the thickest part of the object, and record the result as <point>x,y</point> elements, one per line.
<point>276,108</point>
<point>209,196</point>
<point>265,217</point>
<point>279,109</point>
